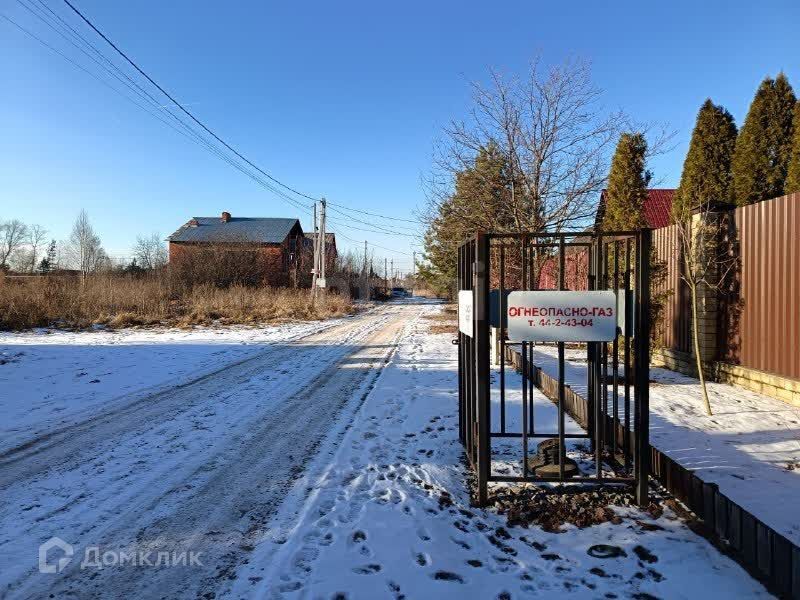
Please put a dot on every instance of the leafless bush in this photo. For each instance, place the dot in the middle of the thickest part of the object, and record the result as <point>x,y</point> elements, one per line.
<point>150,251</point>
<point>221,266</point>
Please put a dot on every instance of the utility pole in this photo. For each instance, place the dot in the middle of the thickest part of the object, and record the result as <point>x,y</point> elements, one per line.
<point>392,263</point>
<point>315,269</point>
<point>322,242</point>
<point>365,275</point>
<point>385,275</point>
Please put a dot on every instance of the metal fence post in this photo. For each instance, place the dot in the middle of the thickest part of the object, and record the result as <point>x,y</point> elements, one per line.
<point>642,358</point>
<point>460,337</point>
<point>481,331</point>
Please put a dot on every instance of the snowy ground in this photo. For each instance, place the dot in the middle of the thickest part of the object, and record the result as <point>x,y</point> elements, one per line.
<point>201,467</point>
<point>750,447</point>
<point>321,467</point>
<point>378,522</point>
<point>54,378</point>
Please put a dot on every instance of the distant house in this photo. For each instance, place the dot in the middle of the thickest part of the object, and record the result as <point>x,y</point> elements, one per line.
<point>657,208</point>
<point>275,245</point>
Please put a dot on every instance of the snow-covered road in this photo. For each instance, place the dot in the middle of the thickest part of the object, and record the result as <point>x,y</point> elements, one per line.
<point>196,468</point>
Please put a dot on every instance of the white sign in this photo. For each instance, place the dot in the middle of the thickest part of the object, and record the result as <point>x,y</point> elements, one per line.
<point>465,312</point>
<point>556,316</point>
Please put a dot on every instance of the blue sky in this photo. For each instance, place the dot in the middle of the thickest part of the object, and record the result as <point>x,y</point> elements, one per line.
<point>342,99</point>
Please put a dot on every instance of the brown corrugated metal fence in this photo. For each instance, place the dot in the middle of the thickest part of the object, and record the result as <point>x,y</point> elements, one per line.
<point>760,324</point>
<point>673,326</point>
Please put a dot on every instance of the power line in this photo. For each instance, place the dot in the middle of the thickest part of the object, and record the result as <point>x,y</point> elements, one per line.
<point>196,137</point>
<point>372,214</point>
<point>88,72</point>
<point>140,92</point>
<point>374,245</point>
<point>180,106</point>
<point>380,231</point>
<point>205,145</point>
<point>219,139</point>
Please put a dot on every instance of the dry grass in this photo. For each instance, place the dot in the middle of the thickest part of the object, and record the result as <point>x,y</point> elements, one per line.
<point>445,321</point>
<point>444,329</point>
<point>421,292</point>
<point>117,301</point>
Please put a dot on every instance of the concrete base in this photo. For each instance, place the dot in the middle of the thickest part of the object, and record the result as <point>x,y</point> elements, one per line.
<point>782,388</point>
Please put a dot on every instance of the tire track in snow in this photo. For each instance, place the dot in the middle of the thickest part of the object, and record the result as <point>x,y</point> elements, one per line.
<point>215,459</point>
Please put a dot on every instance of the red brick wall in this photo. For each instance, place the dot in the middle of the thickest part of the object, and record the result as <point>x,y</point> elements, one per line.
<point>276,265</point>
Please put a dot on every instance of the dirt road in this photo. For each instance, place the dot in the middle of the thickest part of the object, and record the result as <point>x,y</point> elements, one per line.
<point>196,469</point>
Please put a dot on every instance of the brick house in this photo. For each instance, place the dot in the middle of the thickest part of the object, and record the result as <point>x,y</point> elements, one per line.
<point>271,248</point>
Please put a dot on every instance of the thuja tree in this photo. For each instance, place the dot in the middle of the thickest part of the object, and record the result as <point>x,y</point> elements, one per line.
<point>793,173</point>
<point>627,184</point>
<point>625,197</point>
<point>764,144</point>
<point>706,175</point>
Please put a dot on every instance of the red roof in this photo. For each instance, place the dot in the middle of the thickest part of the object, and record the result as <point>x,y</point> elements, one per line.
<point>656,208</point>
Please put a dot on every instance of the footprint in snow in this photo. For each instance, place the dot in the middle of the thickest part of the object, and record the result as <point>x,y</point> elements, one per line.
<point>303,559</point>
<point>395,588</point>
<point>645,555</point>
<point>461,543</point>
<point>448,576</point>
<point>474,562</point>
<point>369,569</point>
<point>292,586</point>
<point>533,543</point>
<point>359,536</point>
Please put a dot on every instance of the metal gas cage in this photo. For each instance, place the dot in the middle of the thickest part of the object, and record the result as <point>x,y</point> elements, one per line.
<point>607,400</point>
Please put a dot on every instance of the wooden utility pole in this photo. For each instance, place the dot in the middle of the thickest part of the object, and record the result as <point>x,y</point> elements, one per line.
<point>392,263</point>
<point>385,275</point>
<point>315,268</point>
<point>322,241</point>
<point>365,275</point>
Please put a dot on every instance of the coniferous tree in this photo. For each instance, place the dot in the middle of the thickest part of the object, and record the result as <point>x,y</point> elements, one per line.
<point>782,131</point>
<point>479,201</point>
<point>627,184</point>
<point>793,173</point>
<point>706,173</point>
<point>763,147</point>
<point>48,262</point>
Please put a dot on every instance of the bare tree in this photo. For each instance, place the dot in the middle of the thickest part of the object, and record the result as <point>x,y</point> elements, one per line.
<point>84,248</point>
<point>13,235</point>
<point>555,136</point>
<point>37,236</point>
<point>150,251</point>
<point>706,267</point>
